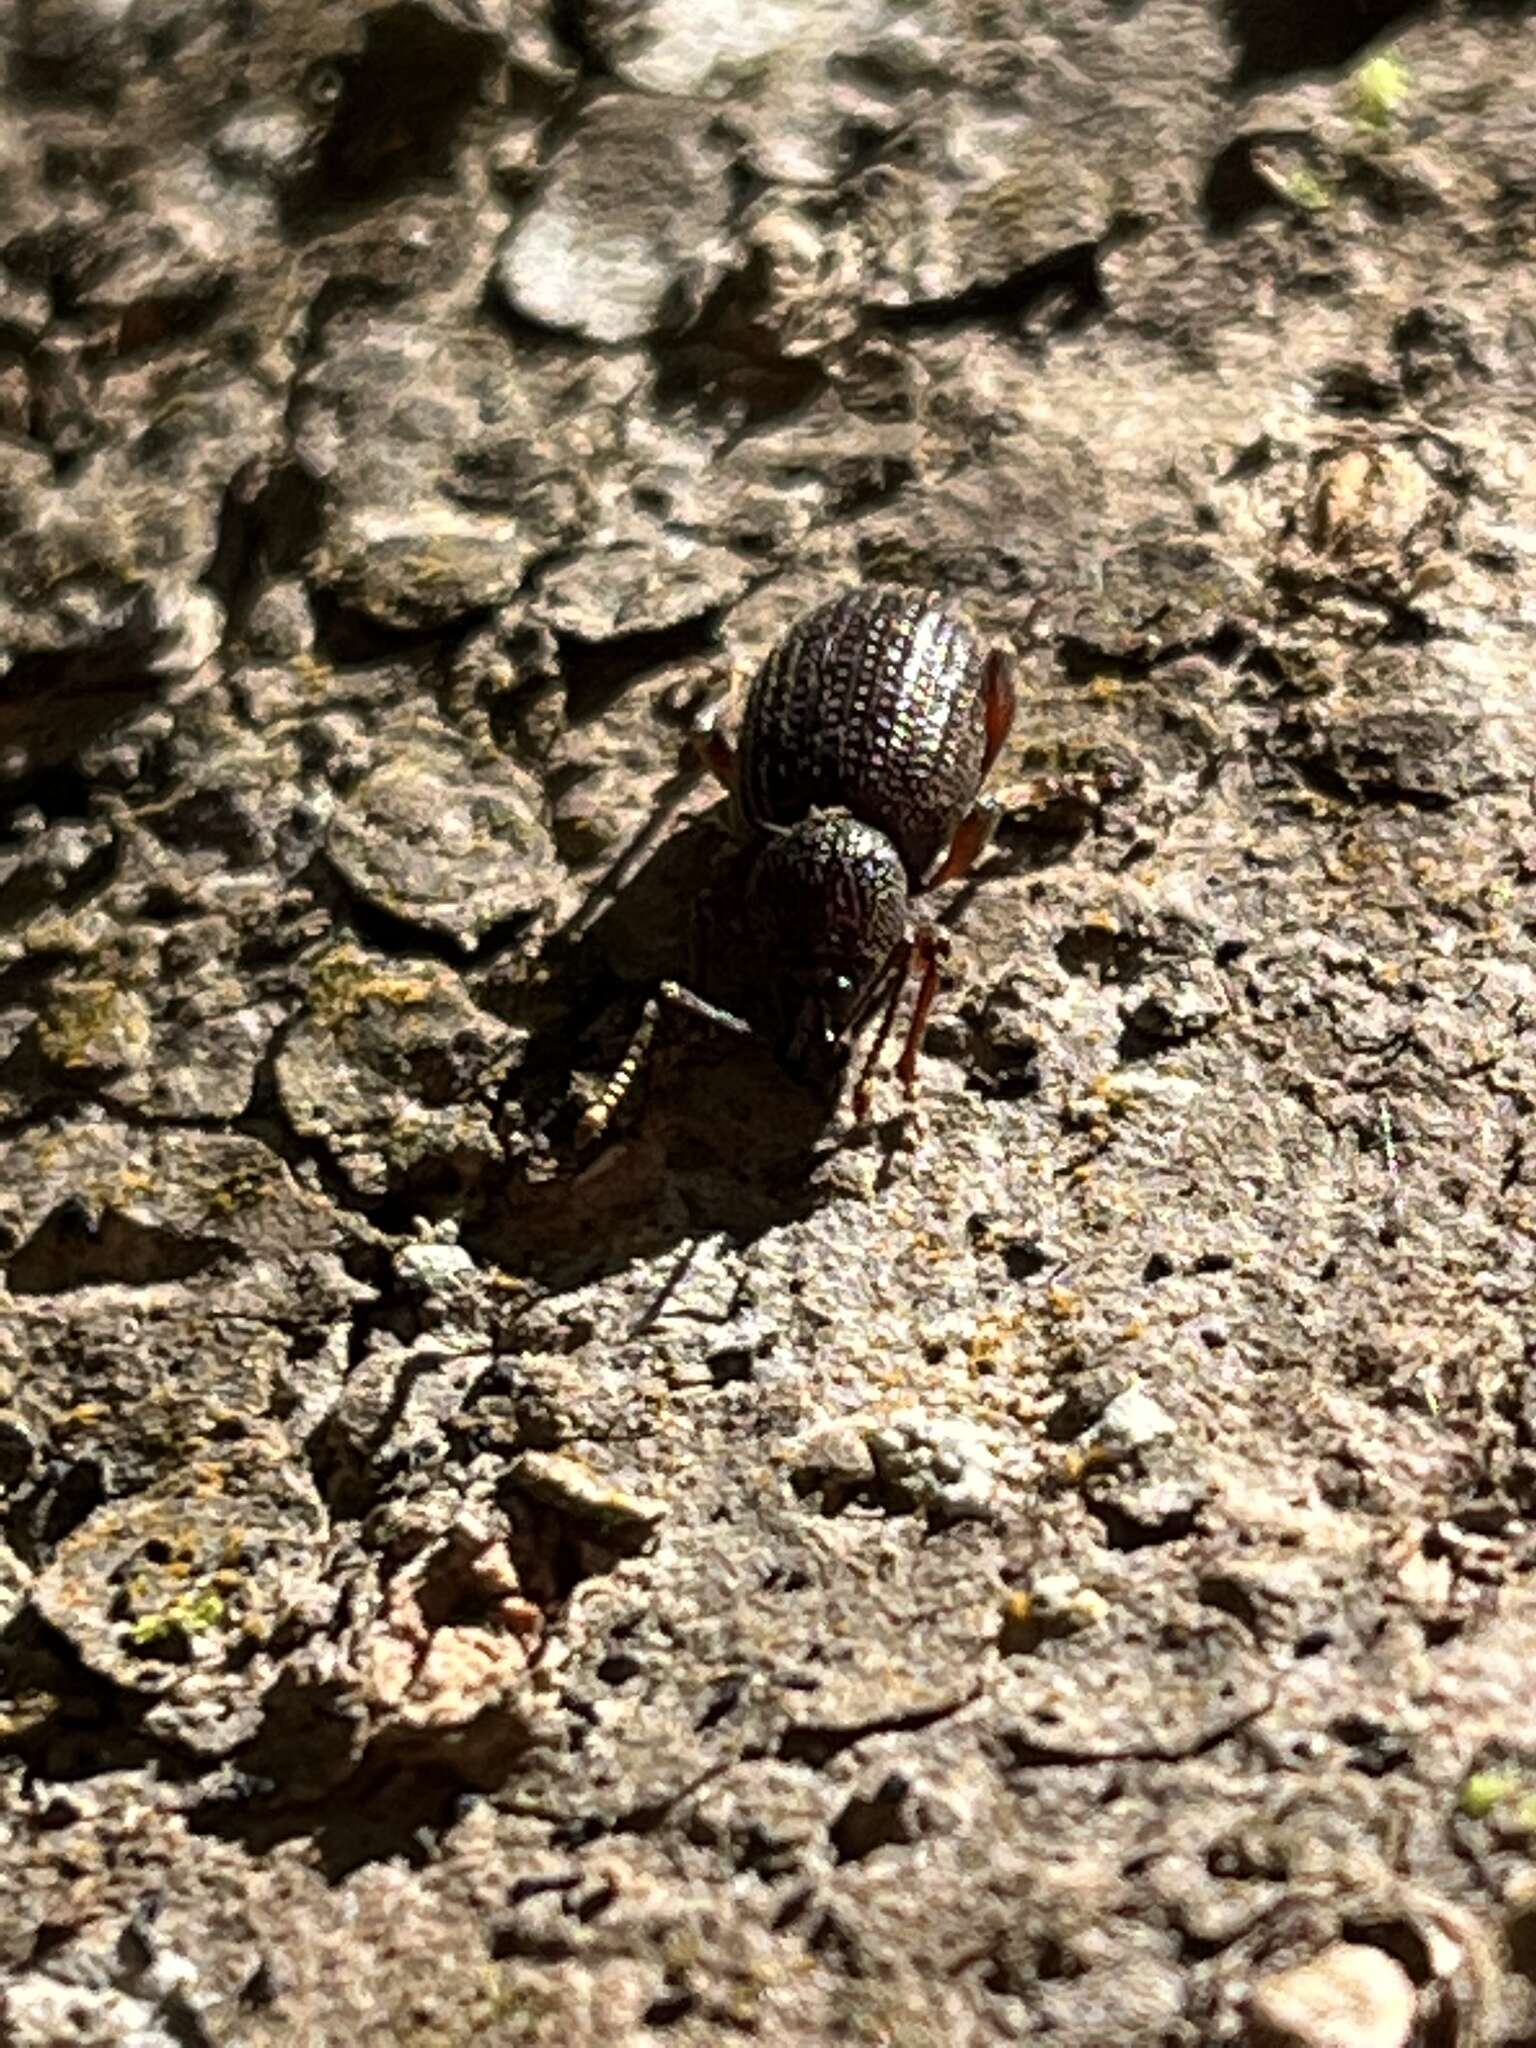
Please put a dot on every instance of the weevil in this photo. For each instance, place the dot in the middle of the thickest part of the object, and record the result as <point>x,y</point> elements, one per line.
<point>864,743</point>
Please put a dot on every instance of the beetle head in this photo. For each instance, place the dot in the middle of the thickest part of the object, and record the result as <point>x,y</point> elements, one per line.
<point>829,907</point>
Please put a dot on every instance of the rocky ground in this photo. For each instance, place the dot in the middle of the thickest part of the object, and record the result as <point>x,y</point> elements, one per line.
<point>1060,1567</point>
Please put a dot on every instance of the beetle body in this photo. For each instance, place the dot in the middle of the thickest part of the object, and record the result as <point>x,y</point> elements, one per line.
<point>864,742</point>
<point>865,739</point>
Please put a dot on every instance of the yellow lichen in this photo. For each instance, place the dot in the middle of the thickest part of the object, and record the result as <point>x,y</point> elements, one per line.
<point>1378,91</point>
<point>244,1188</point>
<point>81,1416</point>
<point>308,668</point>
<point>1307,191</point>
<point>93,1024</point>
<point>345,981</point>
<point>1078,1465</point>
<point>192,1614</point>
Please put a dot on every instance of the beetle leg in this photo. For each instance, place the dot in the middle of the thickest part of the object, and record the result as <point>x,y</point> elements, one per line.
<point>715,752</point>
<point>972,837</point>
<point>1001,700</point>
<point>897,967</point>
<point>670,996</point>
<point>930,950</point>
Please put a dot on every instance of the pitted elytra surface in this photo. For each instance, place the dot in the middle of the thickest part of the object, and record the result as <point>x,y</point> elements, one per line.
<point>1064,1577</point>
<point>874,703</point>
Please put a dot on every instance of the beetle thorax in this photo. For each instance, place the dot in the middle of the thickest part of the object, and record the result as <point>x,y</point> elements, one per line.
<point>828,905</point>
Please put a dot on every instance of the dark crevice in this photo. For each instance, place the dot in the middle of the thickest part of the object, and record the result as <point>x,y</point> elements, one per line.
<point>568,19</point>
<point>668,2007</point>
<point>878,1822</point>
<point>816,1746</point>
<point>1398,622</point>
<point>1356,391</point>
<point>548,104</point>
<point>728,1695</point>
<point>389,1811</point>
<point>68,1500</point>
<point>93,1727</point>
<point>1375,1749</point>
<point>55,705</point>
<point>1009,298</point>
<point>1004,1074</point>
<point>41,77</point>
<point>177,318</point>
<point>340,295</point>
<point>346,637</point>
<point>1108,956</point>
<point>1235,191</point>
<point>269,521</point>
<point>1277,38</point>
<point>598,672</point>
<point>397,112</point>
<point>1324,780</point>
<point>1082,661</point>
<point>1134,1528</point>
<point>646,1817</point>
<point>1029,1751</point>
<point>1267,668</point>
<point>893,73</point>
<point>72,1248</point>
<point>60,790</point>
<point>725,364</point>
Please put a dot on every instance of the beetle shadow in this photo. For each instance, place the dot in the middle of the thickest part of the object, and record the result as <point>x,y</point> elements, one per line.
<point>713,1138</point>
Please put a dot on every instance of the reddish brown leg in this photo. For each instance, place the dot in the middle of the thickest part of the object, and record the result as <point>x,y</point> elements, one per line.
<point>972,837</point>
<point>930,950</point>
<point>975,829</point>
<point>900,967</point>
<point>1001,701</point>
<point>715,753</point>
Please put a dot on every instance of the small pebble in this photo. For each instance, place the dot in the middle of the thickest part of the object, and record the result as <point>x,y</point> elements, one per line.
<point>1132,1420</point>
<point>1056,1604</point>
<point>1349,1996</point>
<point>571,1487</point>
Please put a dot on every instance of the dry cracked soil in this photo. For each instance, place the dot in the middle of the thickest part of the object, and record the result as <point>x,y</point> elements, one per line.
<point>1059,1566</point>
